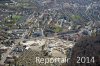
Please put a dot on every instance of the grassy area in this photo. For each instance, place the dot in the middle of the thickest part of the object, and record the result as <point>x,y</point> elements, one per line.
<point>16,17</point>
<point>58,29</point>
<point>75,17</point>
<point>9,22</point>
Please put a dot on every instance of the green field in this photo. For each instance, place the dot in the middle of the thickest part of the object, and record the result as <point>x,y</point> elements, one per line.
<point>16,17</point>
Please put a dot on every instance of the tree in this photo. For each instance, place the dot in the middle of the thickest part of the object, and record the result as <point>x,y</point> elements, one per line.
<point>86,47</point>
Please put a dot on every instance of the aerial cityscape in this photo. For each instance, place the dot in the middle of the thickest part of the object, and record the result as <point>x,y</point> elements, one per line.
<point>49,32</point>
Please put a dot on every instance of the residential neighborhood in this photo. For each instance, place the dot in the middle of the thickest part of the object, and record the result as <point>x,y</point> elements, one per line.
<point>45,28</point>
